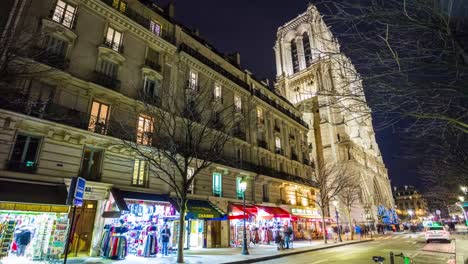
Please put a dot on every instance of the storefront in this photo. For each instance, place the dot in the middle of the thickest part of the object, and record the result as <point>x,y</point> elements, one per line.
<point>33,220</point>
<point>307,223</point>
<point>261,223</point>
<point>133,221</point>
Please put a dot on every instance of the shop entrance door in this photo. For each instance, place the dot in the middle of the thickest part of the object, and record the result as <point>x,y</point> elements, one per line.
<point>83,235</point>
<point>216,234</point>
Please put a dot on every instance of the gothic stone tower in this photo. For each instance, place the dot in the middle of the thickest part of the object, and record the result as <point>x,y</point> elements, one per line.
<point>311,71</point>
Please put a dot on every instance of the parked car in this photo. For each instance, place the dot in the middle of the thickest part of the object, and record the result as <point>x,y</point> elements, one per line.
<point>437,233</point>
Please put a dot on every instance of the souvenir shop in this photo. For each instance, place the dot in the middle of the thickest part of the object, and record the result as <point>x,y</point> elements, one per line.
<point>307,223</point>
<point>134,221</point>
<point>33,226</point>
<point>261,223</point>
<point>134,230</point>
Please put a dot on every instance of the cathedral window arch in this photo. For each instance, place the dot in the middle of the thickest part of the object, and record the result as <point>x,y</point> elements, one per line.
<point>307,49</point>
<point>295,56</point>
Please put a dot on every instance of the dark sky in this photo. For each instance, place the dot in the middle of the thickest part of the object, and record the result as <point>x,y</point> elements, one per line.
<point>249,26</point>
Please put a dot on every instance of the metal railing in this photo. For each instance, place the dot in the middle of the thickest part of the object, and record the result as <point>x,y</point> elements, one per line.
<point>111,44</point>
<point>106,81</point>
<point>153,65</point>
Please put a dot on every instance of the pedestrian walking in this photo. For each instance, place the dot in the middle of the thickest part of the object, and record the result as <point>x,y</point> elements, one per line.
<point>358,231</point>
<point>287,235</point>
<point>165,235</point>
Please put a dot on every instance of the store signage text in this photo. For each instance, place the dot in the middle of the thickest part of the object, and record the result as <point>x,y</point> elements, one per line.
<point>305,212</point>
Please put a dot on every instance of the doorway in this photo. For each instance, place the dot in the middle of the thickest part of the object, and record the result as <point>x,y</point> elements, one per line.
<point>84,227</point>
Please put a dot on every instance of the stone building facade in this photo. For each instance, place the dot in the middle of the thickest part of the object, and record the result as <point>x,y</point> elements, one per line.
<point>92,61</point>
<point>410,203</point>
<point>315,76</point>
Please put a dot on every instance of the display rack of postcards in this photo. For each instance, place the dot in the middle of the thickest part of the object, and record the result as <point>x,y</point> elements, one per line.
<point>7,229</point>
<point>42,237</point>
<point>240,234</point>
<point>58,237</point>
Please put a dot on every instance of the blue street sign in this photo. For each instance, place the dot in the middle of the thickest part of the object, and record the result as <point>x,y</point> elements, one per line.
<point>76,192</point>
<point>80,188</point>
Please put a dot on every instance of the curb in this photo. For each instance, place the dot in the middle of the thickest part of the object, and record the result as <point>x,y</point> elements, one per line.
<point>253,260</point>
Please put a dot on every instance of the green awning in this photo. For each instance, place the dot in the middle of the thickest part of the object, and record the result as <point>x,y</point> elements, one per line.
<point>200,209</point>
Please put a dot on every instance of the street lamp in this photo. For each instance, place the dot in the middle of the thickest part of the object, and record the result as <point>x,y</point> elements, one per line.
<point>410,213</point>
<point>464,189</point>
<point>461,198</point>
<point>243,187</point>
<point>335,203</point>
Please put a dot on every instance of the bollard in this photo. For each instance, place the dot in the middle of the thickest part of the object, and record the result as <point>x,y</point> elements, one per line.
<point>392,258</point>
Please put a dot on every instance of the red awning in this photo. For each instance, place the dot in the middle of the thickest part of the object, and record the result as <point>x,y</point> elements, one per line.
<point>268,211</point>
<point>237,211</point>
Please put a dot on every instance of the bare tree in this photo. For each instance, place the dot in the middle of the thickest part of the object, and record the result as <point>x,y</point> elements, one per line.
<point>348,197</point>
<point>180,133</point>
<point>332,180</point>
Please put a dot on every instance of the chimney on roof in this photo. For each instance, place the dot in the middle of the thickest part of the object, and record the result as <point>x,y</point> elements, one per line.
<point>170,10</point>
<point>234,58</point>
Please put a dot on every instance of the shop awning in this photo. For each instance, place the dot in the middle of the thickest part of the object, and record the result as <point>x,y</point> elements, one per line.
<point>237,211</point>
<point>201,209</point>
<point>118,199</point>
<point>276,212</point>
<point>34,193</point>
<point>145,196</point>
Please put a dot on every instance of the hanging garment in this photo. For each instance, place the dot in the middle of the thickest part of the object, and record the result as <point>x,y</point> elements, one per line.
<point>150,245</point>
<point>104,245</point>
<point>118,247</point>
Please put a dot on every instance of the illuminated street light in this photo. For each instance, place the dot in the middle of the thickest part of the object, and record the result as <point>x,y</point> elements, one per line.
<point>461,198</point>
<point>464,189</point>
<point>338,229</point>
<point>410,212</point>
<point>243,187</point>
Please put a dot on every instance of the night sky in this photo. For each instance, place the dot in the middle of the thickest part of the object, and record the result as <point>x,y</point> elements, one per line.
<point>249,26</point>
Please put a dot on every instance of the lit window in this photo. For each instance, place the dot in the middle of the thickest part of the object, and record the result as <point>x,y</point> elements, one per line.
<point>218,93</point>
<point>239,192</point>
<point>193,80</point>
<point>25,152</point>
<point>217,185</point>
<point>64,13</point>
<point>140,172</point>
<point>155,27</point>
<point>113,39</point>
<point>260,115</point>
<point>120,5</point>
<point>145,130</point>
<point>190,173</point>
<point>237,103</point>
<point>277,142</point>
<point>99,117</point>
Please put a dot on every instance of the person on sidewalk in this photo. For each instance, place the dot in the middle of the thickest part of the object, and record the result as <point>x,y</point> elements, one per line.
<point>288,231</point>
<point>358,230</point>
<point>165,235</point>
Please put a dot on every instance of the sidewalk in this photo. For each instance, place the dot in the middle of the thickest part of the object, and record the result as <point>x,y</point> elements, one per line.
<point>224,255</point>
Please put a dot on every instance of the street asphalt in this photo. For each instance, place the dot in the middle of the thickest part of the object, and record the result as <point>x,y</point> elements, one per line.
<point>412,245</point>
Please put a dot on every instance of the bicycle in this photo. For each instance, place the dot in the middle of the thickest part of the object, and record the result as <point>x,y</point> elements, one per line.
<point>380,259</point>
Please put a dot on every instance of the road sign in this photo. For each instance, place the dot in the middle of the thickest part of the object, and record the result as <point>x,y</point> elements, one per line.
<point>76,192</point>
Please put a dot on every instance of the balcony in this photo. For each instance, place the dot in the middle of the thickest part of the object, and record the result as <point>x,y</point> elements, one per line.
<point>20,166</point>
<point>140,19</point>
<point>238,133</point>
<point>118,47</point>
<point>43,55</point>
<point>279,151</point>
<point>148,98</point>
<point>153,65</point>
<point>106,81</point>
<point>262,144</point>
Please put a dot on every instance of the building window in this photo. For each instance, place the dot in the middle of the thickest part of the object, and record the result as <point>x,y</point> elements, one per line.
<point>155,27</point>
<point>239,192</point>
<point>237,103</point>
<point>140,173</point>
<point>266,193</point>
<point>91,164</point>
<point>190,173</point>
<point>25,152</point>
<point>120,5</point>
<point>153,60</point>
<point>218,93</point>
<point>99,118</point>
<point>109,68</point>
<point>56,46</point>
<point>260,116</point>
<point>278,145</point>
<point>193,80</point>
<point>145,130</point>
<point>295,56</point>
<point>217,185</point>
<point>113,39</point>
<point>64,13</point>
<point>151,87</point>
<point>307,49</point>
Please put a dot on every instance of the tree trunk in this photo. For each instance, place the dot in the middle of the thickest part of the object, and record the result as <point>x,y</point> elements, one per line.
<point>180,241</point>
<point>351,229</point>
<point>323,228</point>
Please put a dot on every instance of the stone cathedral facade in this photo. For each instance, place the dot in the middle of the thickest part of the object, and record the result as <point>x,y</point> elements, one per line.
<point>310,71</point>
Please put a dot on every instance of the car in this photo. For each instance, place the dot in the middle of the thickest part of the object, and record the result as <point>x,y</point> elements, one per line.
<point>437,233</point>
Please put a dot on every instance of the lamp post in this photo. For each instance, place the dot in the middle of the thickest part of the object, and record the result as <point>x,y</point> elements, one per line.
<point>243,187</point>
<point>338,229</point>
<point>461,198</point>
<point>464,189</point>
<point>410,213</point>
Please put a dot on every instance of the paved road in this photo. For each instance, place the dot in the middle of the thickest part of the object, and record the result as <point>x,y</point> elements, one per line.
<point>410,244</point>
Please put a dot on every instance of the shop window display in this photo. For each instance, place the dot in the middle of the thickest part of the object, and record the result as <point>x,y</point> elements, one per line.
<point>32,235</point>
<point>137,231</point>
